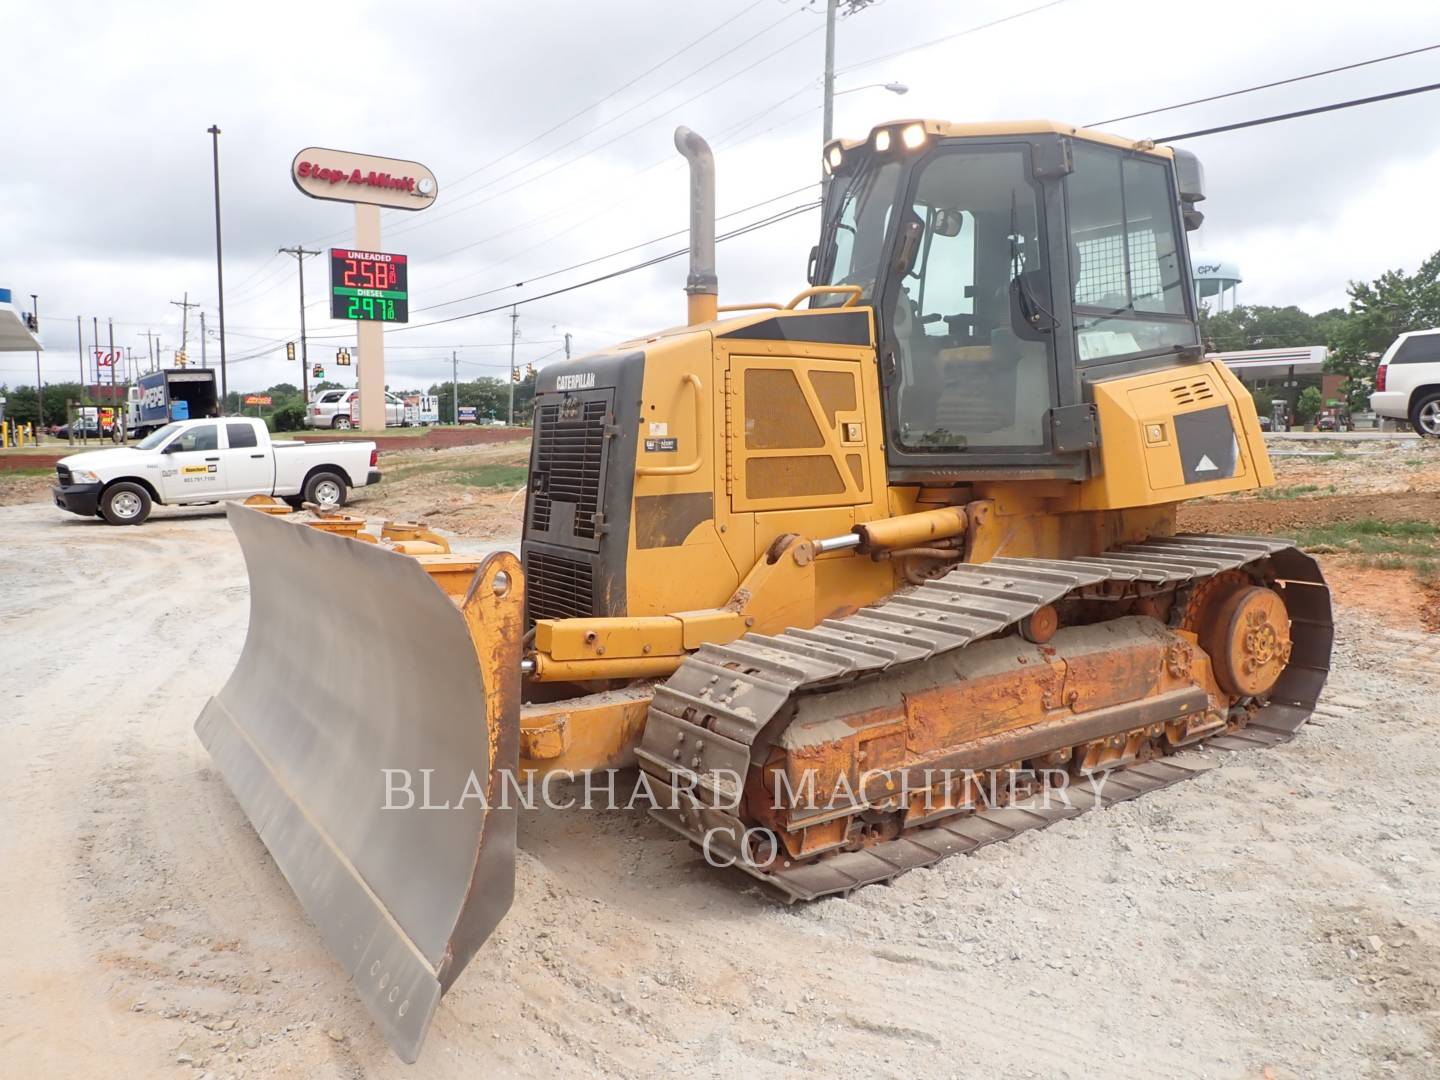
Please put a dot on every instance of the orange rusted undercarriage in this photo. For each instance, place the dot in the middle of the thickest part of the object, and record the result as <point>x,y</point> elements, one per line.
<point>861,767</point>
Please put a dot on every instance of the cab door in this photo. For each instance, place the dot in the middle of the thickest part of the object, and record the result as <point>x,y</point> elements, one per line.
<point>246,467</point>
<point>193,470</point>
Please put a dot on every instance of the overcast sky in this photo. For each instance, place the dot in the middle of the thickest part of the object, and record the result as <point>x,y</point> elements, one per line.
<point>105,176</point>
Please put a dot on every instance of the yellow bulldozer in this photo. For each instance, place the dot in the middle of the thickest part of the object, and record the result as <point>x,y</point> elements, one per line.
<point>857,581</point>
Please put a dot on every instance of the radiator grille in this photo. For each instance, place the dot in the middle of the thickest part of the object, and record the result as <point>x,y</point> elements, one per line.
<point>62,472</point>
<point>557,587</point>
<point>569,453</point>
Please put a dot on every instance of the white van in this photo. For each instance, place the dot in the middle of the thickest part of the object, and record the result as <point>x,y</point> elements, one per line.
<point>1407,383</point>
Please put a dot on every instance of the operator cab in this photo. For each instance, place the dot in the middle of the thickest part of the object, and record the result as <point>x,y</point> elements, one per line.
<point>1007,269</point>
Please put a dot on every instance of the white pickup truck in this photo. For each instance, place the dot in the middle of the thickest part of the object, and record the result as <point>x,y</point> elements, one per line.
<point>205,461</point>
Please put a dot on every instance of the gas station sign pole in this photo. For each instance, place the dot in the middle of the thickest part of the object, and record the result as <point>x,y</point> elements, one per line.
<point>373,285</point>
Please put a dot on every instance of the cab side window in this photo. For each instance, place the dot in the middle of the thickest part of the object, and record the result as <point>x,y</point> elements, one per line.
<point>205,437</point>
<point>240,436</point>
<point>1125,256</point>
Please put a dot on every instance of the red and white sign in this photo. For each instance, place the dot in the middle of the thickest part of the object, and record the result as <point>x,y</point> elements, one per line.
<point>362,178</point>
<point>257,399</point>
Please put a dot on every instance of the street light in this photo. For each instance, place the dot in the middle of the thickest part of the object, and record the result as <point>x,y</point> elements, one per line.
<point>39,386</point>
<point>214,131</point>
<point>893,87</point>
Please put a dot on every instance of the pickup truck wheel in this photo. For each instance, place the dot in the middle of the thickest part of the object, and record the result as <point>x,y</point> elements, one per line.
<point>342,423</point>
<point>1425,415</point>
<point>125,504</point>
<point>325,489</point>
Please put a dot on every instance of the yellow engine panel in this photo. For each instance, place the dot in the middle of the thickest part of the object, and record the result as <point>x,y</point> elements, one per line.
<point>1171,435</point>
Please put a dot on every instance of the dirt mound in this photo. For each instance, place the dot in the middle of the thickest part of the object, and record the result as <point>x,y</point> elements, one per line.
<point>1276,517</point>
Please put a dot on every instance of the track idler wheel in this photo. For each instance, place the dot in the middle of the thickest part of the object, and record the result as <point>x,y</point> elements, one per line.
<point>1248,639</point>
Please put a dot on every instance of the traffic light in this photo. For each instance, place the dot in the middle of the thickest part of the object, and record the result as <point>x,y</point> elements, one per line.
<point>180,357</point>
<point>317,372</point>
<point>529,371</point>
<point>515,375</point>
<point>290,350</point>
<point>342,357</point>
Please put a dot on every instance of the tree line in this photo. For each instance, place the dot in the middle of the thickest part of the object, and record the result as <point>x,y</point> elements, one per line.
<point>1376,314</point>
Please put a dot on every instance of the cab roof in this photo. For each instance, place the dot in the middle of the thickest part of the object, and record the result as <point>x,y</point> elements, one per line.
<point>999,128</point>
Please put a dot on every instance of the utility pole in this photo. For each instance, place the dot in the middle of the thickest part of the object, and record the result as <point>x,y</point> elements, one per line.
<point>828,124</point>
<point>185,306</point>
<point>39,386</point>
<point>80,351</point>
<point>567,344</point>
<point>111,322</point>
<point>300,253</point>
<point>454,388</point>
<point>514,333</point>
<point>95,341</point>
<point>214,130</point>
<point>203,363</point>
<point>149,350</point>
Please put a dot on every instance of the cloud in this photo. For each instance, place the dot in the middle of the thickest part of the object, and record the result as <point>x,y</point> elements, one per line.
<point>105,201</point>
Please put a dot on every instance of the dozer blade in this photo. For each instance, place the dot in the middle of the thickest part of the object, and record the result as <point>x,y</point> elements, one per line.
<point>360,682</point>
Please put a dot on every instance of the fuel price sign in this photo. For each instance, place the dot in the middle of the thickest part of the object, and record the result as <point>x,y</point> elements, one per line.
<point>368,285</point>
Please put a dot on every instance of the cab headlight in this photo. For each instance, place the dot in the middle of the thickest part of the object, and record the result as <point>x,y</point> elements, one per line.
<point>913,136</point>
<point>84,476</point>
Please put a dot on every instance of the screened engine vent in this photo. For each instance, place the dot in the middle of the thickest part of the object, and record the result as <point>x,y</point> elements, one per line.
<point>557,587</point>
<point>568,475</point>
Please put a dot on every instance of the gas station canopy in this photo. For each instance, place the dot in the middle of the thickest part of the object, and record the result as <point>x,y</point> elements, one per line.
<point>15,332</point>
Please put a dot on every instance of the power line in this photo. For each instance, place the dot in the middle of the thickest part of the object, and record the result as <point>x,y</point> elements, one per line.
<point>1301,112</point>
<point>1269,85</point>
<point>620,89</point>
<point>763,223</point>
<point>613,139</point>
<point>950,37</point>
<point>611,254</point>
<point>435,219</point>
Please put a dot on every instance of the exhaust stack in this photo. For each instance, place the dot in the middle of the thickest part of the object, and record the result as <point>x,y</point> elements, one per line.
<point>702,288</point>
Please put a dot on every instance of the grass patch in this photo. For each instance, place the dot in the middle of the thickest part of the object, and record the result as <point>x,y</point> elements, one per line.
<point>28,470</point>
<point>1416,462</point>
<point>491,475</point>
<point>1425,570</point>
<point>1411,539</point>
<point>1298,491</point>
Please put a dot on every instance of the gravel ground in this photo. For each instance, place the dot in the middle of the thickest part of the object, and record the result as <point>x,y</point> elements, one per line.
<point>1277,917</point>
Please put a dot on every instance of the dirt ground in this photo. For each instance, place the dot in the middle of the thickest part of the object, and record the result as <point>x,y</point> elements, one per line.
<point>1277,917</point>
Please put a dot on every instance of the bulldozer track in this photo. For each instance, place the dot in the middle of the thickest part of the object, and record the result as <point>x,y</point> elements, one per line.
<point>721,711</point>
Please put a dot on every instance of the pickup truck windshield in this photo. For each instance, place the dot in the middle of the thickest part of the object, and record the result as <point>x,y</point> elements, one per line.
<point>155,438</point>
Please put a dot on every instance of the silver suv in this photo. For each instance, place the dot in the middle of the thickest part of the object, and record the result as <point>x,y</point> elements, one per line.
<point>331,409</point>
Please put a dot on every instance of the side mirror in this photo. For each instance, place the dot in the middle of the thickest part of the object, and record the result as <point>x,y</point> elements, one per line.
<point>812,265</point>
<point>170,447</point>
